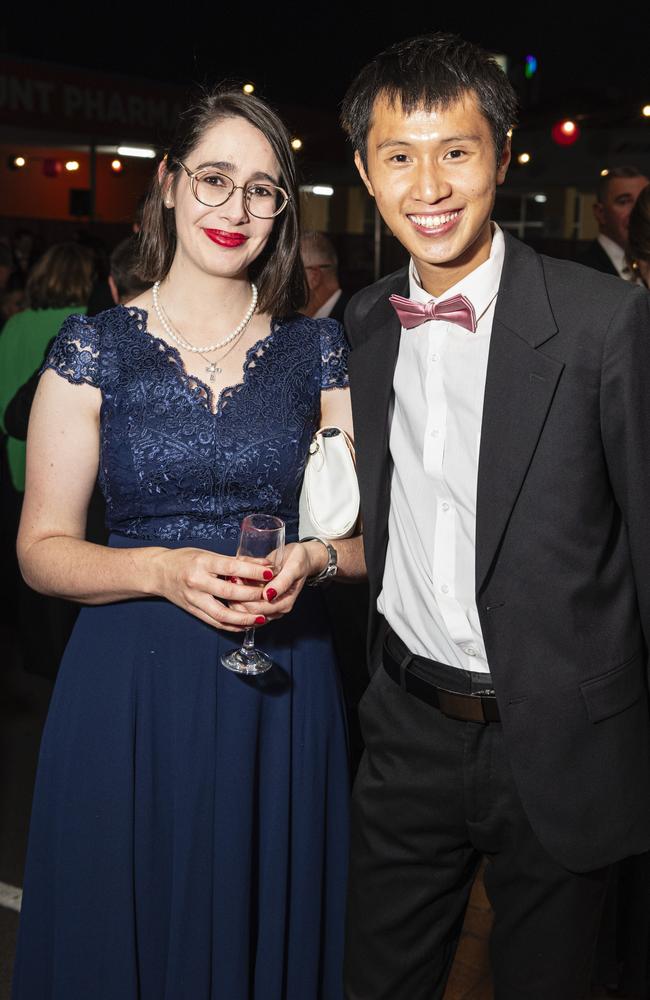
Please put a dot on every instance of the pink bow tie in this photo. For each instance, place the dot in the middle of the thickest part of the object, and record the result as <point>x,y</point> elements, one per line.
<point>457,309</point>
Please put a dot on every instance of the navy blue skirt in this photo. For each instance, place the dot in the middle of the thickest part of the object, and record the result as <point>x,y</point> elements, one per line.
<point>189,831</point>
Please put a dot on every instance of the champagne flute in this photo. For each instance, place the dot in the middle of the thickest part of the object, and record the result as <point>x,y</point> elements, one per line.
<point>261,537</point>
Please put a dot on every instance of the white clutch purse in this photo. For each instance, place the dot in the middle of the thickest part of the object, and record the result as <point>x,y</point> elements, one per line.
<point>329,499</point>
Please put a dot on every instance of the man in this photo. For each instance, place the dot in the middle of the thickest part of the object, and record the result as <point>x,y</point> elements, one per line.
<point>616,194</point>
<point>319,259</point>
<point>502,427</point>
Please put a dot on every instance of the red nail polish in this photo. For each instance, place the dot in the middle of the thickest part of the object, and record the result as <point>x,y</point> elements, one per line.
<point>271,594</point>
<point>260,620</point>
<point>268,574</point>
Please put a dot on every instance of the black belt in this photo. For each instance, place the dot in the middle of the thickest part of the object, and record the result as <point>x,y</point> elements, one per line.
<point>464,707</point>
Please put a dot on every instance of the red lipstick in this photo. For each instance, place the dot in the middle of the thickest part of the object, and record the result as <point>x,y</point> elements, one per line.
<point>224,238</point>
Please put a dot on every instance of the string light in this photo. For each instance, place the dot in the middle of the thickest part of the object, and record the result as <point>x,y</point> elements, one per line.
<point>72,165</point>
<point>565,133</point>
<point>248,88</point>
<point>296,144</point>
<point>523,158</point>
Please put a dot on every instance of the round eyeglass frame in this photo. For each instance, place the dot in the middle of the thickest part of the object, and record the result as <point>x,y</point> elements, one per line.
<point>193,174</point>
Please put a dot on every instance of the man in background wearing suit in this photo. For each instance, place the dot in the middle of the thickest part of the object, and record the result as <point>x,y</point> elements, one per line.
<point>616,194</point>
<point>502,426</point>
<point>326,298</point>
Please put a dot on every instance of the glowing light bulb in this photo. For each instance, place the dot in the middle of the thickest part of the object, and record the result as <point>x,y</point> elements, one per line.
<point>145,154</point>
<point>296,144</point>
<point>72,165</point>
<point>565,132</point>
<point>248,88</point>
<point>523,158</point>
<point>116,166</point>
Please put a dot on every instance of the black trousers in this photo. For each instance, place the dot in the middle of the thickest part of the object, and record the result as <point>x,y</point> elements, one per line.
<point>432,796</point>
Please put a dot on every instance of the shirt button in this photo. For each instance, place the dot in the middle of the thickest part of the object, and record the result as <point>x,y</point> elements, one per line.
<point>445,506</point>
<point>470,651</point>
<point>435,357</point>
<point>445,588</point>
<point>434,433</point>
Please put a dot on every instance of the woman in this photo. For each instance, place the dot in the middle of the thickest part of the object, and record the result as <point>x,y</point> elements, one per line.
<point>189,828</point>
<point>58,285</point>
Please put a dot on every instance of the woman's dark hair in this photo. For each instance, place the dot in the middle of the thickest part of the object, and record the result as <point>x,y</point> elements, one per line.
<point>639,231</point>
<point>278,271</point>
<point>430,71</point>
<point>63,276</point>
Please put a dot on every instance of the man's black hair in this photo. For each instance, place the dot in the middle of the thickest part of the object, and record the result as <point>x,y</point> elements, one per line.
<point>430,71</point>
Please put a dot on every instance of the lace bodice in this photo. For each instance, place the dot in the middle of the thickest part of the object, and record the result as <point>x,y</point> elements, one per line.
<point>171,468</point>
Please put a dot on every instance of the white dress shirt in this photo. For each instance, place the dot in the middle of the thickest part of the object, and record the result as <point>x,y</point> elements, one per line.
<point>429,587</point>
<point>617,256</point>
<point>327,306</point>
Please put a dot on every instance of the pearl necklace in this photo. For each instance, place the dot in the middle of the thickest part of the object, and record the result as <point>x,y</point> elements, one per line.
<point>180,340</point>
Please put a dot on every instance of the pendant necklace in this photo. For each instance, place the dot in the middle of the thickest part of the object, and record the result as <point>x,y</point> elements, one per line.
<point>212,367</point>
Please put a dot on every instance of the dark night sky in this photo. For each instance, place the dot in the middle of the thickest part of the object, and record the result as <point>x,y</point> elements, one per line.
<point>308,54</point>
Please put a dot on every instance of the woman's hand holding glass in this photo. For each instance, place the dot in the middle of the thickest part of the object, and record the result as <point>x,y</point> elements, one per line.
<point>220,590</point>
<point>302,560</point>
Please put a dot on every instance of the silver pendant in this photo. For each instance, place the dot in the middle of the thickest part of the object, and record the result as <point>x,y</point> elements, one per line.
<point>213,369</point>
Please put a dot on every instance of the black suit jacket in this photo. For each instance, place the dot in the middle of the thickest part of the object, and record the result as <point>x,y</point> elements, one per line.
<point>562,536</point>
<point>339,307</point>
<point>594,256</point>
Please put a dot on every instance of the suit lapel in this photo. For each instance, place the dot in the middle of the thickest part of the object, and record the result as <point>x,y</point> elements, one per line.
<point>520,385</point>
<point>371,369</point>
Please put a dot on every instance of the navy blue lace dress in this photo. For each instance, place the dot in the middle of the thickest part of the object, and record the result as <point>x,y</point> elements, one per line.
<point>189,830</point>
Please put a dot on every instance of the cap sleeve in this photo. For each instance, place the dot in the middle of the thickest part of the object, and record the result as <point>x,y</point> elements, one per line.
<point>75,352</point>
<point>334,355</point>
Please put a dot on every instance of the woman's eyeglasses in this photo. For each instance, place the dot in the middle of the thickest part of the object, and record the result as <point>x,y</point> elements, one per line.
<point>211,188</point>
